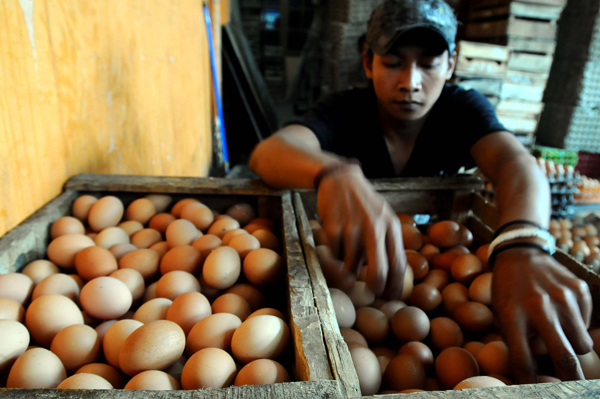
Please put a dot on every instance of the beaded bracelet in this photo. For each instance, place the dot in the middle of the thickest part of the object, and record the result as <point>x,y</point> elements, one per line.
<point>522,244</point>
<point>521,221</point>
<point>525,232</point>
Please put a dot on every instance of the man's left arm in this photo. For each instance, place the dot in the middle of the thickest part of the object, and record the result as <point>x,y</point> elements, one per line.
<point>533,295</point>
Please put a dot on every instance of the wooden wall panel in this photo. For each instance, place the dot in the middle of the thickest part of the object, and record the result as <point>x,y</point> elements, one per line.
<point>106,86</point>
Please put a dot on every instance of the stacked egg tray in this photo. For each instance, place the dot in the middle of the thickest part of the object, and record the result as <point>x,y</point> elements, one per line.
<point>441,199</point>
<point>305,357</point>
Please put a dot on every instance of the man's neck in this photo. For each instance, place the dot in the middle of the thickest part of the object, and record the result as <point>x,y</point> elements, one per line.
<point>398,129</point>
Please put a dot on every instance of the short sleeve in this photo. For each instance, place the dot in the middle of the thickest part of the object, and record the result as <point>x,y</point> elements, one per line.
<point>480,116</point>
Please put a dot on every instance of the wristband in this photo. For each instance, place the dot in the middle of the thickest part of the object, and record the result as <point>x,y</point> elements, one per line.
<point>332,169</point>
<point>492,257</point>
<point>527,232</point>
<point>521,221</point>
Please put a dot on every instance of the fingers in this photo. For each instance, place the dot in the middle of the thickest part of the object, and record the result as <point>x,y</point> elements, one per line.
<point>375,248</point>
<point>333,235</point>
<point>333,270</point>
<point>397,261</point>
<point>352,250</point>
<point>515,333</point>
<point>575,328</point>
<point>584,300</point>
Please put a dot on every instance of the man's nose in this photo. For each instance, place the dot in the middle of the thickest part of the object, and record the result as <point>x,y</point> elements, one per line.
<point>410,78</point>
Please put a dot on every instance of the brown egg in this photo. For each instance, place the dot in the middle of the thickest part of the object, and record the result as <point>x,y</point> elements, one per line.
<point>454,365</point>
<point>353,337</point>
<point>140,210</point>
<point>153,310</point>
<point>453,295</point>
<point>16,286</point>
<point>466,236</point>
<point>268,311</point>
<point>160,222</point>
<point>466,268</point>
<point>343,307</point>
<point>404,372</point>
<point>445,234</point>
<point>473,317</point>
<point>592,241</point>
<point>153,380</point>
<point>130,227</point>
<point>267,240</point>
<point>373,324</point>
<point>418,263</point>
<point>78,280</point>
<point>431,384</point>
<point>105,371</point>
<point>106,212</point>
<point>114,338</point>
<point>103,327</point>
<point>206,244</point>
<point>367,368</point>
<point>66,225</point>
<point>429,251</point>
<point>39,270</point>
<point>445,333</point>
<point>220,227</point>
<point>154,346</point>
<point>491,336</point>
<point>479,382</point>
<point>146,238</point>
<point>188,309</point>
<point>105,298</point>
<point>419,350</point>
<point>36,368</point>
<point>410,324</point>
<point>208,368</point>
<point>438,278</point>
<point>222,268</point>
<point>181,232</point>
<point>263,266</point>
<point>481,289</point>
<point>59,284</point>
<point>261,372</point>
<point>145,261</point>
<point>62,250</point>
<point>92,262</point>
<point>244,244</point>
<point>406,219</point>
<point>11,310</point>
<point>361,295</point>
<point>590,365</point>
<point>565,244</point>
<point>231,234</point>
<point>493,358</point>
<point>161,202</point>
<point>270,224</point>
<point>426,297</point>
<point>85,381</point>
<point>82,205</point>
<point>121,250</point>
<point>14,339</point>
<point>566,224</point>
<point>199,214</point>
<point>176,210</point>
<point>443,261</point>
<point>243,213</point>
<point>214,331</point>
<point>261,337</point>
<point>133,280</point>
<point>49,314</point>
<point>459,250</point>
<point>176,283</point>
<point>232,303</point>
<point>254,296</point>
<point>76,346</point>
<point>473,347</point>
<point>412,237</point>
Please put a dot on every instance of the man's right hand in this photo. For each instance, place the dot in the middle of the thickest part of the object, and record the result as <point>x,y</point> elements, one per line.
<point>358,223</point>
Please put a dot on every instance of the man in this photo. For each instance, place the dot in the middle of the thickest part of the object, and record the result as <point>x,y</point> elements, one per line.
<point>411,123</point>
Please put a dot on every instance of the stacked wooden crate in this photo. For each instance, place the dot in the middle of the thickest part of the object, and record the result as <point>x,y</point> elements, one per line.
<point>528,29</point>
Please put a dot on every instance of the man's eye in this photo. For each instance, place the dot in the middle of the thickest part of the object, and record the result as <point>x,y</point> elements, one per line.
<point>391,65</point>
<point>429,66</point>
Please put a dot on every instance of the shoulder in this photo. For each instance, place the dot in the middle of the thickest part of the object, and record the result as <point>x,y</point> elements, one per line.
<point>347,97</point>
<point>458,96</point>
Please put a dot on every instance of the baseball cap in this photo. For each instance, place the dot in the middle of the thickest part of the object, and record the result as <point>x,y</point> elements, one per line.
<point>394,18</point>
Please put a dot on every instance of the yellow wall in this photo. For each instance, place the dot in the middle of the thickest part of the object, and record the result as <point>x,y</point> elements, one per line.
<point>107,86</point>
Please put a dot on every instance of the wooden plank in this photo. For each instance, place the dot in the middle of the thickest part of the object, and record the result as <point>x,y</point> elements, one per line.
<point>511,91</point>
<point>520,107</point>
<point>339,354</point>
<point>466,67</point>
<point>530,62</point>
<point>511,26</point>
<point>485,211</point>
<point>486,86</point>
<point>291,390</point>
<point>518,124</point>
<point>488,13</point>
<point>524,44</point>
<point>518,9</point>
<point>476,4</point>
<point>483,51</point>
<point>526,78</point>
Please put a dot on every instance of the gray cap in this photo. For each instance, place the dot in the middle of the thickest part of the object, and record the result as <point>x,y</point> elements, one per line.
<point>393,18</point>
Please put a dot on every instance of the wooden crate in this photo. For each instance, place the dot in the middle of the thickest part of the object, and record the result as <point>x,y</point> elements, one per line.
<point>478,4</point>
<point>445,198</point>
<point>481,59</point>
<point>309,362</point>
<point>489,87</point>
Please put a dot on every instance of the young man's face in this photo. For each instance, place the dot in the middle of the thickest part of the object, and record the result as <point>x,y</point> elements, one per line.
<point>409,80</point>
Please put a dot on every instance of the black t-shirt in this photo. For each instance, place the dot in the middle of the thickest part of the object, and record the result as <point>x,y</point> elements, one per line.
<point>347,124</point>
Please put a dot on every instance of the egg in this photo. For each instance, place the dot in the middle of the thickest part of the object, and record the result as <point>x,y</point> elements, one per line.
<point>115,337</point>
<point>493,358</point>
<point>445,234</point>
<point>481,289</point>
<point>49,314</point>
<point>222,226</point>
<point>188,309</point>
<point>111,236</point>
<point>161,202</point>
<point>426,297</point>
<point>474,317</point>
<point>154,346</point>
<point>120,250</point>
<point>184,258</point>
<point>445,333</point>
<point>473,347</point>
<point>479,382</point>
<point>153,380</point>
<point>181,232</point>
<point>412,237</point>
<point>454,365</point>
<point>261,337</point>
<point>438,278</point>
<point>133,280</point>
<point>145,261</point>
<point>466,267</point>
<point>103,327</point>
<point>161,248</point>
<point>373,324</point>
<point>146,238</point>
<point>66,225</point>
<point>175,283</point>
<point>429,251</point>
<point>406,219</point>
<point>261,372</point>
<point>62,250</point>
<point>206,244</point>
<point>420,351</point>
<point>14,340</point>
<point>59,284</point>
<point>391,307</point>
<point>176,210</point>
<point>453,295</point>
<point>268,311</point>
<point>232,303</point>
<point>418,263</point>
<point>11,310</point>
<point>130,227</point>
<point>244,244</point>
<point>404,372</point>
<point>150,292</point>
<point>367,369</point>
<point>343,307</point>
<point>361,295</point>
<point>76,346</point>
<point>590,365</point>
<point>254,296</point>
<point>95,262</point>
<point>443,261</point>
<point>105,298</point>
<point>222,268</point>
<point>353,337</point>
<point>208,368</point>
<point>160,222</point>
<point>243,213</point>
<point>267,240</point>
<point>36,368</point>
<point>140,210</point>
<point>105,371</point>
<point>82,205</point>
<point>39,270</point>
<point>267,223</point>
<point>85,381</point>
<point>231,234</point>
<point>263,266</point>
<point>214,331</point>
<point>154,309</point>
<point>410,324</point>
<point>459,250</point>
<point>198,214</point>
<point>106,212</point>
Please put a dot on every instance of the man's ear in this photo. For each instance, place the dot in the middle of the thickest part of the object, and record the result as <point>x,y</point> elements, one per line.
<point>451,65</point>
<point>367,57</point>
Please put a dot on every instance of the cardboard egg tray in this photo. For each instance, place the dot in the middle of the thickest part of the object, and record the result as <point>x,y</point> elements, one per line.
<point>308,362</point>
<point>455,199</point>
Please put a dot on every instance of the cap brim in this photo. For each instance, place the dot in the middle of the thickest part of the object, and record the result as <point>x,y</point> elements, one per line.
<point>384,50</point>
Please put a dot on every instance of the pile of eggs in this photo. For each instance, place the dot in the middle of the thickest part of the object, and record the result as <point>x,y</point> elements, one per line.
<point>126,292</point>
<point>441,334</point>
<point>582,242</point>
